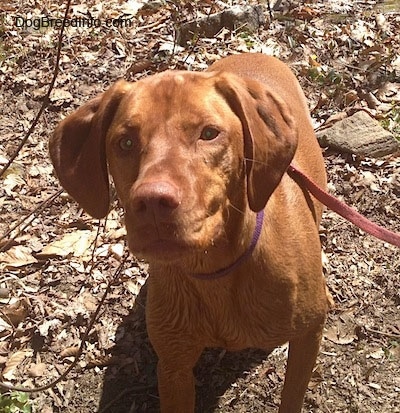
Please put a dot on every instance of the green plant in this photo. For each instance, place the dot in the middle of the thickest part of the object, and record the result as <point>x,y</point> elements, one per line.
<point>247,39</point>
<point>396,121</point>
<point>15,402</point>
<point>392,121</point>
<point>392,350</point>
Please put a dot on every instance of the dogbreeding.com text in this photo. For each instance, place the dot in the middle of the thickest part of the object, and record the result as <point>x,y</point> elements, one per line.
<point>38,23</point>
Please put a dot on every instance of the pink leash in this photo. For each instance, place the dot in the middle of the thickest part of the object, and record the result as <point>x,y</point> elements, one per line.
<point>344,210</point>
<point>331,202</point>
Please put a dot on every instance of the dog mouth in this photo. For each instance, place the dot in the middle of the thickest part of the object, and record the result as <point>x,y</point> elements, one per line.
<point>170,242</point>
<point>155,248</point>
<point>161,249</point>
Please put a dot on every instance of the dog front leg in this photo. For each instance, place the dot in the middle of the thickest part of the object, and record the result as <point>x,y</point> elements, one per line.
<point>176,387</point>
<point>303,352</point>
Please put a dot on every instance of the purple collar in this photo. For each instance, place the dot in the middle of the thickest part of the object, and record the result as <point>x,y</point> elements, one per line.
<point>224,271</point>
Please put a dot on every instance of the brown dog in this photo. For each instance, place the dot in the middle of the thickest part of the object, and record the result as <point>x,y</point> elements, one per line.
<point>194,157</point>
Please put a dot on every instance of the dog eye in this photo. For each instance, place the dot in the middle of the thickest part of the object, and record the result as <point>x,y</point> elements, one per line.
<point>126,143</point>
<point>209,133</point>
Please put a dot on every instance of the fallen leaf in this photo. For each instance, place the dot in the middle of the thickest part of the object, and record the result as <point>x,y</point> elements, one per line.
<point>377,354</point>
<point>13,362</point>
<point>37,370</point>
<point>16,257</point>
<point>74,243</point>
<point>117,250</point>
<point>47,325</point>
<point>16,312</point>
<point>60,96</point>
<point>133,287</point>
<point>4,326</point>
<point>131,7</point>
<point>13,178</point>
<point>375,386</point>
<point>69,352</point>
<point>342,332</point>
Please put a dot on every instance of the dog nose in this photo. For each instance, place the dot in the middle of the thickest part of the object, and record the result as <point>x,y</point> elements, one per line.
<point>159,198</point>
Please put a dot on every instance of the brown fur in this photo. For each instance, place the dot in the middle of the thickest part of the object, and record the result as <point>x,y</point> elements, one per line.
<point>190,207</point>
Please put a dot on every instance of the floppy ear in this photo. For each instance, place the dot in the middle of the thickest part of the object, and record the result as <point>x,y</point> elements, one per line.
<point>269,131</point>
<point>77,150</point>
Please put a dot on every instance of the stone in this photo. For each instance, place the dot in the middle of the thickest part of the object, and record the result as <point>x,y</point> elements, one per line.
<point>359,134</point>
<point>248,18</point>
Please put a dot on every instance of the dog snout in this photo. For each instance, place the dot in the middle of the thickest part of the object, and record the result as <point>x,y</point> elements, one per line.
<point>158,199</point>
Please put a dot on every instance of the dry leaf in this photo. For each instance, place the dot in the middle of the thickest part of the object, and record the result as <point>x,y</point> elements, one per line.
<point>88,301</point>
<point>4,326</point>
<point>4,293</point>
<point>13,178</point>
<point>14,361</point>
<point>131,7</point>
<point>16,257</point>
<point>59,96</point>
<point>115,234</point>
<point>102,361</point>
<point>342,332</point>
<point>377,354</point>
<point>133,287</point>
<point>69,352</point>
<point>47,325</point>
<point>16,312</point>
<point>75,243</point>
<point>117,250</point>
<point>37,370</point>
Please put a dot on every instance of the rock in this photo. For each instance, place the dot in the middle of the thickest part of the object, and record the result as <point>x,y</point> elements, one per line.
<point>361,135</point>
<point>249,18</point>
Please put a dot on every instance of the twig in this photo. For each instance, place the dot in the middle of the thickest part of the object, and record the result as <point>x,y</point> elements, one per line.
<point>131,391</point>
<point>25,218</point>
<point>382,333</point>
<point>46,98</point>
<point>152,25</point>
<point>115,399</point>
<point>197,34</point>
<point>83,339</point>
<point>271,16</point>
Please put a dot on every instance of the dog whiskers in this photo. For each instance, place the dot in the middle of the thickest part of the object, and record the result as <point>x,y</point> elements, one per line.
<point>254,161</point>
<point>236,209</point>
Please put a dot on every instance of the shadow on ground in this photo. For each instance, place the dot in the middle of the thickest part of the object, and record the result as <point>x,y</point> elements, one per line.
<point>130,385</point>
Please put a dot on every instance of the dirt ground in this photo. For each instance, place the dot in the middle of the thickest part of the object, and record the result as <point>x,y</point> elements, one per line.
<point>56,263</point>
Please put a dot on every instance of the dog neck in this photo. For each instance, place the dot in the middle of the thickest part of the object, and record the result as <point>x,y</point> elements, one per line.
<point>227,270</point>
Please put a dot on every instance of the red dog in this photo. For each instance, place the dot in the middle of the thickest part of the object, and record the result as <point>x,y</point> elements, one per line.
<point>195,157</point>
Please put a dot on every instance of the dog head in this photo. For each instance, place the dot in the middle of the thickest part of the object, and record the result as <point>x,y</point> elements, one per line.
<point>189,153</point>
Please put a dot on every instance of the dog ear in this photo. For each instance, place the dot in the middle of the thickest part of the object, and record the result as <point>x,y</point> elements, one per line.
<point>269,130</point>
<point>77,150</point>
